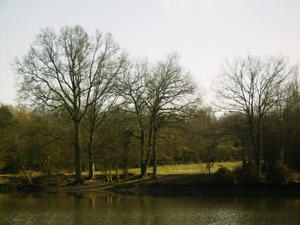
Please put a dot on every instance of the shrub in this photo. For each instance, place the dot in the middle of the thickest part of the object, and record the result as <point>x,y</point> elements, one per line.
<point>276,173</point>
<point>247,175</point>
<point>12,168</point>
<point>224,176</point>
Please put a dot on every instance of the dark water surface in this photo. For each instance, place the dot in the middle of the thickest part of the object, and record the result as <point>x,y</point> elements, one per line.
<point>93,209</point>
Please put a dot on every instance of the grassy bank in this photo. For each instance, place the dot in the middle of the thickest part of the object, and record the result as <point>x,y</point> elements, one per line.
<point>195,168</point>
<point>10,182</point>
<point>191,179</point>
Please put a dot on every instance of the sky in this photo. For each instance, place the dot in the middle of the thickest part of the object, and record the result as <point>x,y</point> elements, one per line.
<point>204,33</point>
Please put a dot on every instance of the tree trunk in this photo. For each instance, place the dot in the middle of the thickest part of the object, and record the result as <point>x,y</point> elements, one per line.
<point>91,156</point>
<point>27,176</point>
<point>77,151</point>
<point>253,138</point>
<point>147,161</point>
<point>117,174</point>
<point>126,161</point>
<point>258,148</point>
<point>149,147</point>
<point>283,136</point>
<point>142,159</point>
<point>243,155</point>
<point>145,170</point>
<point>154,154</point>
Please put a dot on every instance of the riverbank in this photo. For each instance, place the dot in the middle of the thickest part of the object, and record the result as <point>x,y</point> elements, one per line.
<point>172,180</point>
<point>163,185</point>
<point>200,185</point>
<point>12,182</point>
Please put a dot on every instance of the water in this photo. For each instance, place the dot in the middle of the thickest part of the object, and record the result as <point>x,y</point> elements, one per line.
<point>109,209</point>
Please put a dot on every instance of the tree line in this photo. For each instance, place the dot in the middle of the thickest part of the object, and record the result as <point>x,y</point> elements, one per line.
<point>88,102</point>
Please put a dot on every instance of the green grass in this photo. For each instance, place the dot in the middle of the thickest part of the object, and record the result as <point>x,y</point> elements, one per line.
<point>194,168</point>
<point>4,180</point>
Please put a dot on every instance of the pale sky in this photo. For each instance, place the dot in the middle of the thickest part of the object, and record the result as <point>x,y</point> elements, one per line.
<point>203,32</point>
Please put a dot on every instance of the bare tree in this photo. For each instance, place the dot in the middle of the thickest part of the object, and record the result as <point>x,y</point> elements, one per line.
<point>95,117</point>
<point>155,94</point>
<point>288,101</point>
<point>250,86</point>
<point>170,91</point>
<point>132,88</point>
<point>61,71</point>
<point>103,98</point>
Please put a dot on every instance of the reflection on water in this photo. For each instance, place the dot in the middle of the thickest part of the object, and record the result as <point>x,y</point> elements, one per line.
<point>109,209</point>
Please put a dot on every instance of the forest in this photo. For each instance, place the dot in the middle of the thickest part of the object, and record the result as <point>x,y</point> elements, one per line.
<point>86,106</point>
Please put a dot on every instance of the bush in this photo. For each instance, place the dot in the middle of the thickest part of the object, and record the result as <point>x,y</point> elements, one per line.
<point>276,173</point>
<point>224,176</point>
<point>247,175</point>
<point>12,168</point>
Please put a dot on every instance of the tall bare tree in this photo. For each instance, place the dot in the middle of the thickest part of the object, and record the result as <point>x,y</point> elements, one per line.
<point>170,91</point>
<point>154,93</point>
<point>250,86</point>
<point>132,88</point>
<point>104,96</point>
<point>62,70</point>
<point>288,101</point>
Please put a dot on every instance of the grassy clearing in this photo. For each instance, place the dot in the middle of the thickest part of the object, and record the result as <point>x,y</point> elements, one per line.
<point>195,168</point>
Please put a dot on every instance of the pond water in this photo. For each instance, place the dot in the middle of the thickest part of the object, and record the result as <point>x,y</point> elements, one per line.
<point>110,209</point>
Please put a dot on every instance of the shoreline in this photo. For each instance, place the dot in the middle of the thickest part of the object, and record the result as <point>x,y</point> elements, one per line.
<point>166,185</point>
<point>188,185</point>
